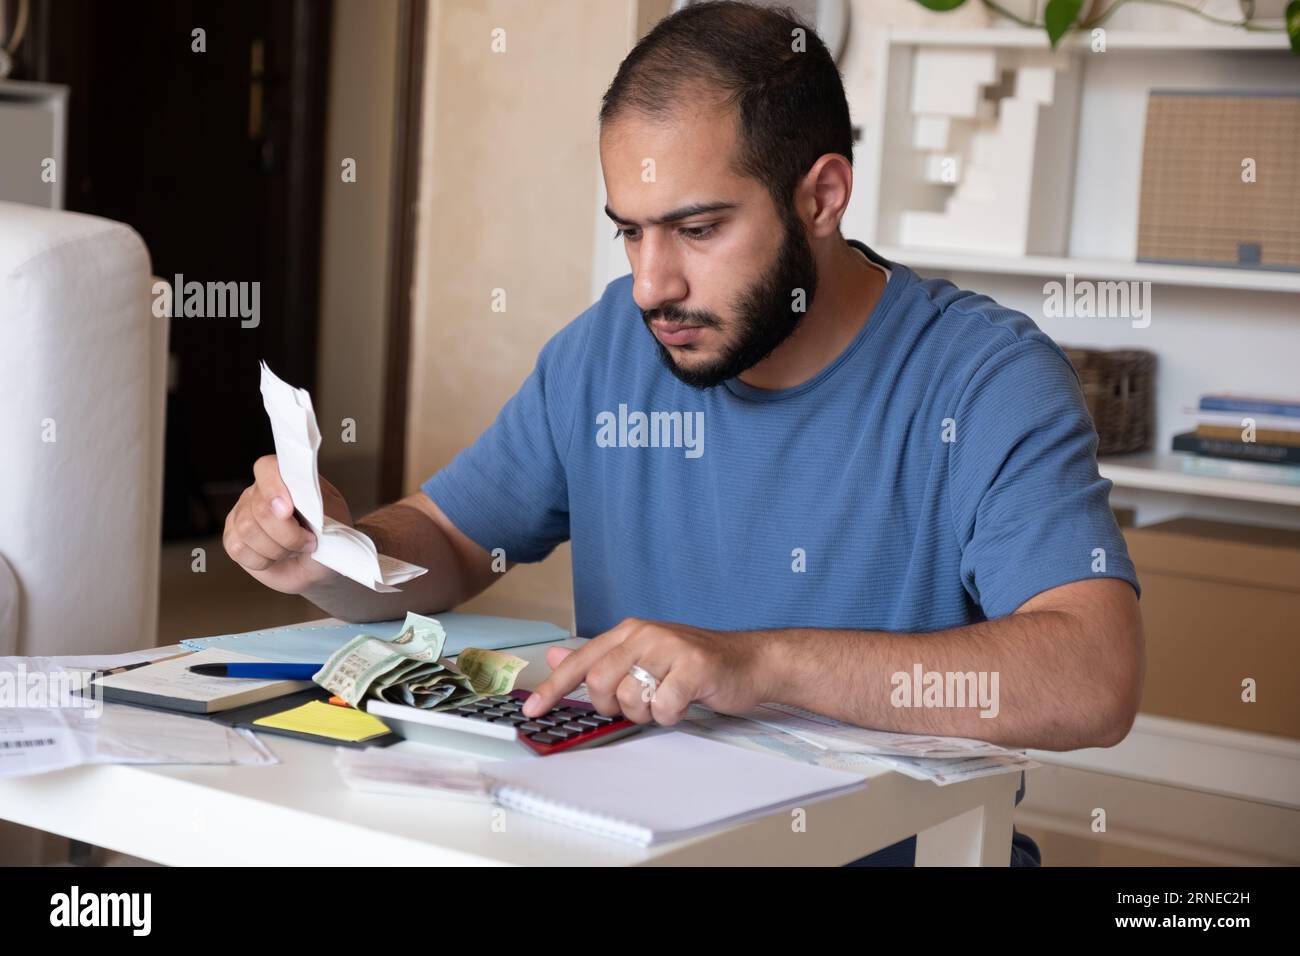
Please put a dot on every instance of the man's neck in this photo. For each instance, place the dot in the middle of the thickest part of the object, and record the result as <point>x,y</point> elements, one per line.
<point>848,288</point>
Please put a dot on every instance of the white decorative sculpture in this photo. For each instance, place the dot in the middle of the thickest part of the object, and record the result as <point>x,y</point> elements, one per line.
<point>997,127</point>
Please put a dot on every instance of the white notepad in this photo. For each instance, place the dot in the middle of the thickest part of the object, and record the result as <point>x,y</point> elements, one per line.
<point>660,787</point>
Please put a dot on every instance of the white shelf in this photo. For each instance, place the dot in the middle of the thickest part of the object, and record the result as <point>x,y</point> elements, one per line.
<point>1258,280</point>
<point>1164,472</point>
<point>1225,38</point>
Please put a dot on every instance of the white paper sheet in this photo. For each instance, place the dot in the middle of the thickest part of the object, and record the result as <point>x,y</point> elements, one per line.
<point>812,738</point>
<point>37,741</point>
<point>836,735</point>
<point>46,725</point>
<point>135,735</point>
<point>942,771</point>
<point>297,440</point>
<point>412,772</point>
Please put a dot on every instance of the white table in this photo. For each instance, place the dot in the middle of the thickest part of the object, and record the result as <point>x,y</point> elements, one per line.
<point>299,812</point>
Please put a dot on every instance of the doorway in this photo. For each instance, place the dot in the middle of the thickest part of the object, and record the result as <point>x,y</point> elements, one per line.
<point>202,126</point>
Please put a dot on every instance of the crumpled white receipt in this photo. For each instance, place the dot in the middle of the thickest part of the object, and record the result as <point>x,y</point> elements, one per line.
<point>297,439</point>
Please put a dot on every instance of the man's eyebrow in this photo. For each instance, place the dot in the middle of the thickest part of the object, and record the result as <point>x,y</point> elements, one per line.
<point>675,215</point>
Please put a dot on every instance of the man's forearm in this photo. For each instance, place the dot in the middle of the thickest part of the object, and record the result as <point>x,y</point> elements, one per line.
<point>399,531</point>
<point>1055,691</point>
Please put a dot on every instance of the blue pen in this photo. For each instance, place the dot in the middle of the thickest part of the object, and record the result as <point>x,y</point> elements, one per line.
<point>258,670</point>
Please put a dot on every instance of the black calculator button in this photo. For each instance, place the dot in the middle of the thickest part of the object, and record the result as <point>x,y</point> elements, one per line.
<point>511,719</point>
<point>576,727</point>
<point>547,721</point>
<point>561,733</point>
<point>532,727</point>
<point>588,723</point>
<point>601,718</point>
<point>546,738</point>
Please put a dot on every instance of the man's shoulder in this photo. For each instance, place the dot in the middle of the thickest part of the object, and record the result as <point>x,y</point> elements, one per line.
<point>976,317</point>
<point>973,331</point>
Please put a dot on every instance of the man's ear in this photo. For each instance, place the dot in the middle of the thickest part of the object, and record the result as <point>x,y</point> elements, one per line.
<point>823,194</point>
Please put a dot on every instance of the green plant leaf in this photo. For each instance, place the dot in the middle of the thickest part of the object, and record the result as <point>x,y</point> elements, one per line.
<point>941,6</point>
<point>1060,16</point>
<point>1293,24</point>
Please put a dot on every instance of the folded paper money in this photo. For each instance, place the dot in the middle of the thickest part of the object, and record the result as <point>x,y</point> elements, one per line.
<point>410,669</point>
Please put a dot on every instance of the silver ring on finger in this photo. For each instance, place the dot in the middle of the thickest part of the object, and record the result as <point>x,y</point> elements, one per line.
<point>649,683</point>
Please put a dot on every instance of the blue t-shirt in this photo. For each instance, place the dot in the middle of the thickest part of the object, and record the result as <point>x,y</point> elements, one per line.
<point>941,471</point>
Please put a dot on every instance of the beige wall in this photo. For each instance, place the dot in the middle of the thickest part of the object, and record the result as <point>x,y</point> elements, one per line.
<point>507,200</point>
<point>354,250</point>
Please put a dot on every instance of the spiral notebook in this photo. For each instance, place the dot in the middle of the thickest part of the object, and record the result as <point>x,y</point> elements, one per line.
<point>661,787</point>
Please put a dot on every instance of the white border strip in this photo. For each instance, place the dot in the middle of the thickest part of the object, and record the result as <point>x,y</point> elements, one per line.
<point>1180,753</point>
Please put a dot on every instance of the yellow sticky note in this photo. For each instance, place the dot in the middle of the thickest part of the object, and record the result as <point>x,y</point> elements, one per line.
<point>326,720</point>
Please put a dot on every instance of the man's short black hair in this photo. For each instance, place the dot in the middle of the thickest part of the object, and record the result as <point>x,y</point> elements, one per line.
<point>783,85</point>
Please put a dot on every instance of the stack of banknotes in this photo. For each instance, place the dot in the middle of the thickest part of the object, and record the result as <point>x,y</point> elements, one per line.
<point>410,669</point>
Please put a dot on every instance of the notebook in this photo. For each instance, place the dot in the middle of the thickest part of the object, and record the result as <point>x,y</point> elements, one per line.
<point>315,641</point>
<point>169,684</point>
<point>661,787</point>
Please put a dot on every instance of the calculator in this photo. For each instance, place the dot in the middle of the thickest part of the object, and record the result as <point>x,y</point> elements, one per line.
<point>569,725</point>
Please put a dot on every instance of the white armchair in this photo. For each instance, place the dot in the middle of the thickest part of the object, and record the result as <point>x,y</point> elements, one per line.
<point>82,399</point>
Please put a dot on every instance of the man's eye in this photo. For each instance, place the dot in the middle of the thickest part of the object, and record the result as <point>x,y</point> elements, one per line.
<point>629,234</point>
<point>699,232</point>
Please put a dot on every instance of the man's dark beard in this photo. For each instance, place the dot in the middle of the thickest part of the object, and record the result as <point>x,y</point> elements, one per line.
<point>764,313</point>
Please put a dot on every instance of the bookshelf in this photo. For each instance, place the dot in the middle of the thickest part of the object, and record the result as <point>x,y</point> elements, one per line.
<point>1211,277</point>
<point>1214,328</point>
<point>1100,106</point>
<point>1163,471</point>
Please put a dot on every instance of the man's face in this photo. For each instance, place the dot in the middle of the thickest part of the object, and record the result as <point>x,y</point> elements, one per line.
<point>717,269</point>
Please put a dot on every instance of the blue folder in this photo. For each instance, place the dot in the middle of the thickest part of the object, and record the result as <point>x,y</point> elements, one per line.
<point>314,642</point>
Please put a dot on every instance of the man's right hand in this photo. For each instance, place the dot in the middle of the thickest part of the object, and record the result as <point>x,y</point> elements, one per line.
<point>264,537</point>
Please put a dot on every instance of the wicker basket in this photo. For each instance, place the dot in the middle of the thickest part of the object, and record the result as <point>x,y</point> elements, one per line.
<point>1120,389</point>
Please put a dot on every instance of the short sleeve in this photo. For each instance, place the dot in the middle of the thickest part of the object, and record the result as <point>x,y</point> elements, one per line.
<point>509,489</point>
<point>1031,511</point>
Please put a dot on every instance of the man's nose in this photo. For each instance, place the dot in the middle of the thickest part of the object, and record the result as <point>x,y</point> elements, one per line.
<point>658,279</point>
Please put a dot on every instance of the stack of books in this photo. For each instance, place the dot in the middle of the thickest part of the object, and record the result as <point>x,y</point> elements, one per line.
<point>1240,436</point>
